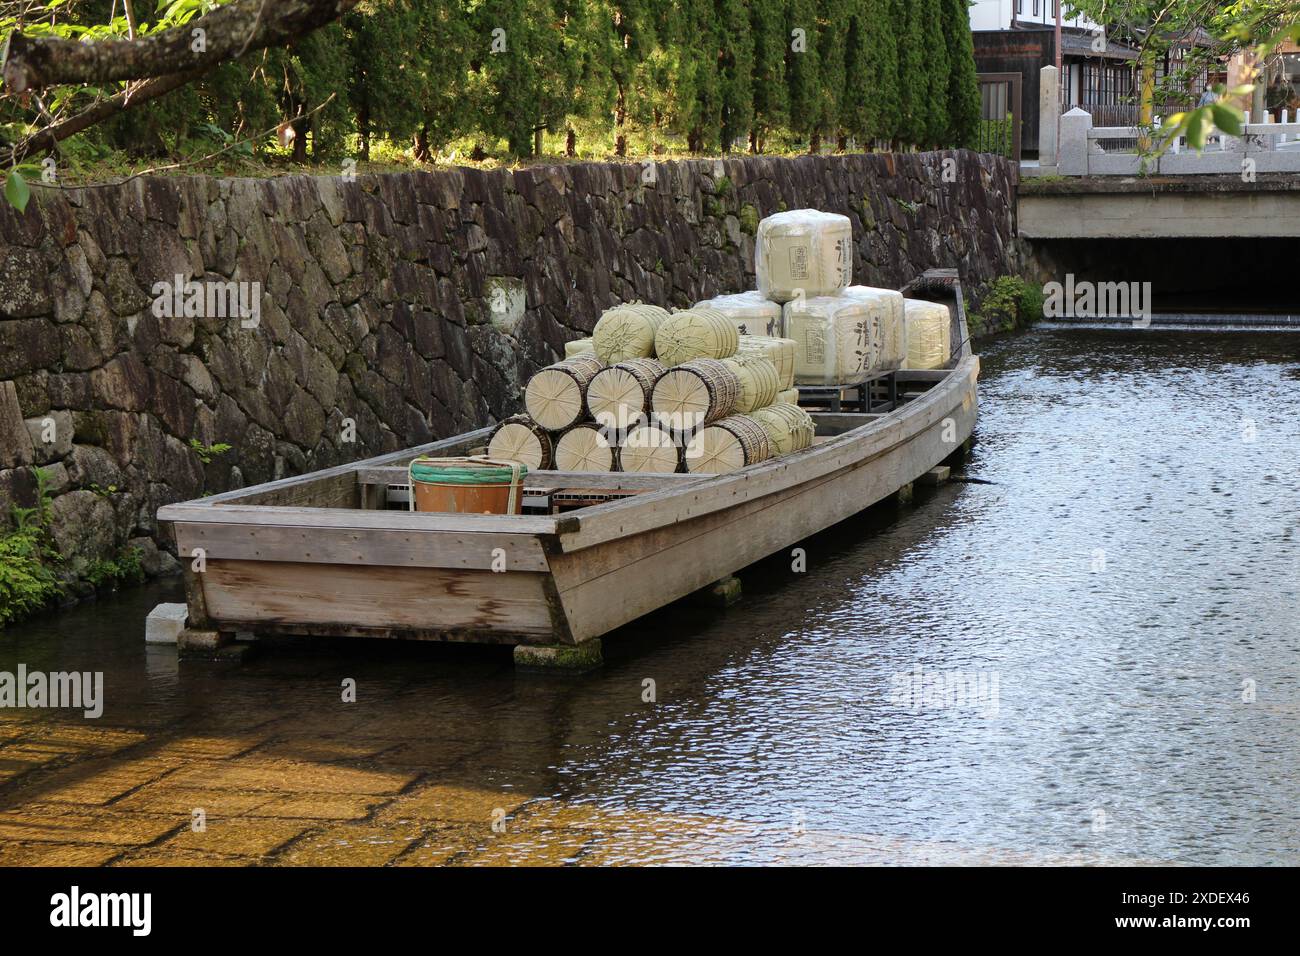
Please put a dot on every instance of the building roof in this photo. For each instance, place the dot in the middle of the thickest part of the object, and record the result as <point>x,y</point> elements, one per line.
<point>1075,42</point>
<point>1080,44</point>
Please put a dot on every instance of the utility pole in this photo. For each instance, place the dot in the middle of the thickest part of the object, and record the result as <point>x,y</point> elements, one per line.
<point>1058,37</point>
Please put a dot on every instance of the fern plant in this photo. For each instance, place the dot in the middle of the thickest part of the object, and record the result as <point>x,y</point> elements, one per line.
<point>28,558</point>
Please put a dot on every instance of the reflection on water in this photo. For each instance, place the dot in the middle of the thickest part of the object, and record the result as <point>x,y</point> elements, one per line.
<point>1119,605</point>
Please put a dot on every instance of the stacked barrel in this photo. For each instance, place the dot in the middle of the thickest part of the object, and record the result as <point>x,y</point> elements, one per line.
<point>714,388</point>
<point>658,391</point>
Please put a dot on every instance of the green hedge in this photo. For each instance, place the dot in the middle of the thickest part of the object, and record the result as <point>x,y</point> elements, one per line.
<point>706,75</point>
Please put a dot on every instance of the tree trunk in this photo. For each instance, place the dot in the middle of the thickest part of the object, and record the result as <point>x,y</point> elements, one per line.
<point>620,121</point>
<point>363,129</point>
<point>300,128</point>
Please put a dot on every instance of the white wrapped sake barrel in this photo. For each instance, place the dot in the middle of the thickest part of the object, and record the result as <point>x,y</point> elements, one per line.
<point>649,448</point>
<point>727,445</point>
<point>789,428</point>
<point>556,396</point>
<point>803,253</point>
<point>893,332</point>
<point>627,332</point>
<point>834,344</point>
<point>695,334</point>
<point>619,396</point>
<point>750,312</point>
<point>759,382</point>
<point>585,447</point>
<point>779,351</point>
<point>579,347</point>
<point>929,334</point>
<point>523,440</point>
<point>692,395</point>
<point>789,396</point>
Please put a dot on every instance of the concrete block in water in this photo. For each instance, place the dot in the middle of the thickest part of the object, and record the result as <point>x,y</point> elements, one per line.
<point>722,593</point>
<point>935,476</point>
<point>559,658</point>
<point>165,623</point>
<point>192,639</point>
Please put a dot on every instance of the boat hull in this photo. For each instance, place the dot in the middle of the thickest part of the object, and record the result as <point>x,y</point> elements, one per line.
<point>307,556</point>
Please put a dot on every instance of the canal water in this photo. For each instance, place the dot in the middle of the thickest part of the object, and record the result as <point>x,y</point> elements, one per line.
<point>1090,654</point>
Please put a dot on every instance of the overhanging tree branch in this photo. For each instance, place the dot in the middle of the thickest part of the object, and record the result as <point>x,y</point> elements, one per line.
<point>227,32</point>
<point>48,137</point>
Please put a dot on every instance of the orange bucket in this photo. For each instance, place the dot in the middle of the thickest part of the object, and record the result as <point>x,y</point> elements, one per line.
<point>466,485</point>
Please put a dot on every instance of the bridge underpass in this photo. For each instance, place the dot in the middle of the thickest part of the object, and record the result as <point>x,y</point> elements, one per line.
<point>1208,250</point>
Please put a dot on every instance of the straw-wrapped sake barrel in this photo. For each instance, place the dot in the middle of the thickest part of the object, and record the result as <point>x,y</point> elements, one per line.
<point>893,332</point>
<point>929,334</point>
<point>803,252</point>
<point>779,351</point>
<point>556,396</point>
<point>584,447</point>
<point>789,428</point>
<point>699,333</point>
<point>619,396</point>
<point>522,439</point>
<point>693,395</point>
<point>759,383</point>
<point>727,445</point>
<point>750,312</point>
<point>627,332</point>
<point>649,448</point>
<point>837,339</point>
<point>579,347</point>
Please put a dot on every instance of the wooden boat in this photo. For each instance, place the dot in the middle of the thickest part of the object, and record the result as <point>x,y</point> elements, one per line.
<point>335,552</point>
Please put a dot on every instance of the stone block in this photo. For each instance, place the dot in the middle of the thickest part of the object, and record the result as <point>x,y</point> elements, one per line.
<point>193,639</point>
<point>722,593</point>
<point>935,476</point>
<point>558,658</point>
<point>165,623</point>
<point>1073,148</point>
<point>15,442</point>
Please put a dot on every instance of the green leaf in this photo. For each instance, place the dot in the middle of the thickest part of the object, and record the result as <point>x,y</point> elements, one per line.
<point>16,191</point>
<point>1196,130</point>
<point>1227,119</point>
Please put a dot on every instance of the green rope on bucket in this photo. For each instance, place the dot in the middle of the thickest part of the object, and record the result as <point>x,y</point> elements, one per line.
<point>463,474</point>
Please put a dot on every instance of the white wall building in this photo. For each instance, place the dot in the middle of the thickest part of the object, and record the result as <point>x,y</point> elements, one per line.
<point>1004,14</point>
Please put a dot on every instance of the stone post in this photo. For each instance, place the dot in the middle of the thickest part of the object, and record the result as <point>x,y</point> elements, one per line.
<point>1049,115</point>
<point>1073,150</point>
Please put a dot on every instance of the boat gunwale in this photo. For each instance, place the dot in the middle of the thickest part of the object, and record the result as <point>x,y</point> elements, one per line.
<point>598,523</point>
<point>731,489</point>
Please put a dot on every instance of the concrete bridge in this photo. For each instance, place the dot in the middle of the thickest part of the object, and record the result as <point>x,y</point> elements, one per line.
<point>1097,183</point>
<point>1159,207</point>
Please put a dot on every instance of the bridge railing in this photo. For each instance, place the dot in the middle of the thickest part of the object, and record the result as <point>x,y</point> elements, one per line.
<point>1265,147</point>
